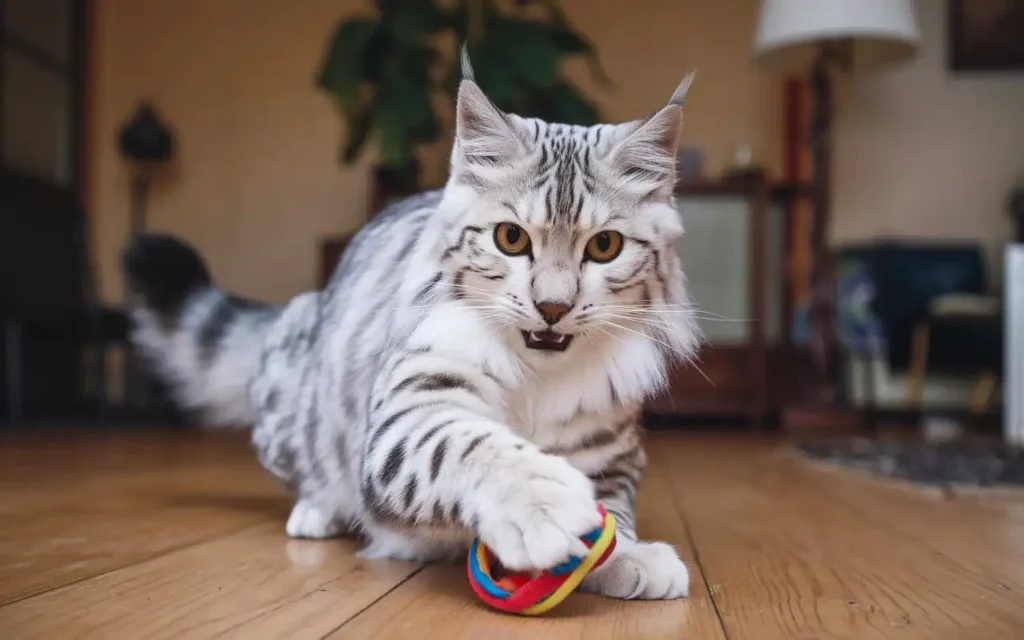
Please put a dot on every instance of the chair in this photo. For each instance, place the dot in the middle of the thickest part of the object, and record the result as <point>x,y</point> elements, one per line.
<point>930,309</point>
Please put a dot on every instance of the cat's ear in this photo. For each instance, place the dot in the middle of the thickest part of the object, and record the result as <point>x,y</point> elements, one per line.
<point>646,155</point>
<point>485,135</point>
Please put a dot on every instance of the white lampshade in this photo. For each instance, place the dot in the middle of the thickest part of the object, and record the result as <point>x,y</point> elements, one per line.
<point>879,32</point>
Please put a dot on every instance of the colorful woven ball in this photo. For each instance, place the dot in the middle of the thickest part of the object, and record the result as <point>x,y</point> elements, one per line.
<point>533,595</point>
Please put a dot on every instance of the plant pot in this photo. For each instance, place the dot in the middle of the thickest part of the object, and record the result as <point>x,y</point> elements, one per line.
<point>393,182</point>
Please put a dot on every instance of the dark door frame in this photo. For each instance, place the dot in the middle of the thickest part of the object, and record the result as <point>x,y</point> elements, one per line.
<point>74,72</point>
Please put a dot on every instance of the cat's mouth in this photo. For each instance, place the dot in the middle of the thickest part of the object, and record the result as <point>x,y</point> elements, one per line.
<point>547,340</point>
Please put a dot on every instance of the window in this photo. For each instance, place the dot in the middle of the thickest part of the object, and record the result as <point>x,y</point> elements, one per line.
<point>39,71</point>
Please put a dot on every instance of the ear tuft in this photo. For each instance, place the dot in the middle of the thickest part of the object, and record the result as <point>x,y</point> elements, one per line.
<point>679,96</point>
<point>467,67</point>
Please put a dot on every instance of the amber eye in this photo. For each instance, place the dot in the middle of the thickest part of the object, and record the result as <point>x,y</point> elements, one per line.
<point>605,246</point>
<point>511,239</point>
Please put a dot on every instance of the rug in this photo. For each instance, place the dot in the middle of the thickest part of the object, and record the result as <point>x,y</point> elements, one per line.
<point>950,464</point>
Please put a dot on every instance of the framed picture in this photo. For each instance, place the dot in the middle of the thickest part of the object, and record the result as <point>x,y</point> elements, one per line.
<point>986,35</point>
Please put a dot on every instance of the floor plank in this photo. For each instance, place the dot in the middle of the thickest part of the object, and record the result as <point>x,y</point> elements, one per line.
<point>439,598</point>
<point>182,535</point>
<point>792,552</point>
<point>255,583</point>
<point>54,551</point>
<point>108,503</point>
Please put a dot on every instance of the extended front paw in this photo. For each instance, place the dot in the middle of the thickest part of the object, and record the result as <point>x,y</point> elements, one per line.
<point>642,570</point>
<point>536,511</point>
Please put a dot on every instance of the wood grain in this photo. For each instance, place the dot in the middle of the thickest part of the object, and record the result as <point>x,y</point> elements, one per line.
<point>794,552</point>
<point>251,584</point>
<point>181,535</point>
<point>439,599</point>
<point>80,507</point>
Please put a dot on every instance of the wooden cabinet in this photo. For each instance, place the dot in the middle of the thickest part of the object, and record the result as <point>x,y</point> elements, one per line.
<point>733,254</point>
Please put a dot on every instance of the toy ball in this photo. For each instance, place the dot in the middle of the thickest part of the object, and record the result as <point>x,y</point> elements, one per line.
<point>533,595</point>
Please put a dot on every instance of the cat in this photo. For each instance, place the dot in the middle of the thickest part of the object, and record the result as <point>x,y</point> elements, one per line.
<point>477,362</point>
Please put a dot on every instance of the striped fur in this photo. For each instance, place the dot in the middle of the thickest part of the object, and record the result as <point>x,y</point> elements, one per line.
<point>403,403</point>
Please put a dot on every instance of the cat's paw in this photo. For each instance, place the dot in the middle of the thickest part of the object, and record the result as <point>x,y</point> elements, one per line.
<point>310,520</point>
<point>536,511</point>
<point>641,570</point>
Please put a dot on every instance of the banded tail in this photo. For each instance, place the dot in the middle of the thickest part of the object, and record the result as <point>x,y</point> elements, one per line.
<point>203,342</point>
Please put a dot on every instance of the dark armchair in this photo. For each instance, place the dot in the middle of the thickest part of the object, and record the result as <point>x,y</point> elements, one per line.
<point>923,308</point>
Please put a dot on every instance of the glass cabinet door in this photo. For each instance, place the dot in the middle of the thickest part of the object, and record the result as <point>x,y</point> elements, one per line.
<point>717,255</point>
<point>37,89</point>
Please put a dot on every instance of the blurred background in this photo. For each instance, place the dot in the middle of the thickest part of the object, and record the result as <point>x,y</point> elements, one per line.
<point>850,180</point>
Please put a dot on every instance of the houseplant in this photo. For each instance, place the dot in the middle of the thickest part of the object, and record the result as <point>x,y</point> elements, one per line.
<point>384,72</point>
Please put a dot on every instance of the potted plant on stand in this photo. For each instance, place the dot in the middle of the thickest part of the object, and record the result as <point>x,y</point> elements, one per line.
<point>378,72</point>
<point>384,72</point>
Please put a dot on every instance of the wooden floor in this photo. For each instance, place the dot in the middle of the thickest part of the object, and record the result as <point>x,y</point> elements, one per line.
<point>182,536</point>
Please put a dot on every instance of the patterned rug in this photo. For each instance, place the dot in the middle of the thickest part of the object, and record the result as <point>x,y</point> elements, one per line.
<point>953,464</point>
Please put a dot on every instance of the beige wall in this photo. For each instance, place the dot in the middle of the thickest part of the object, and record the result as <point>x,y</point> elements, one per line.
<point>257,182</point>
<point>923,152</point>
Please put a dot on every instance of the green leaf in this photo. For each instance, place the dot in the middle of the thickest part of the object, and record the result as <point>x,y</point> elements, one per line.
<point>525,47</point>
<point>360,123</point>
<point>341,71</point>
<point>394,148</point>
<point>381,71</point>
<point>496,78</point>
<point>411,21</point>
<point>567,41</point>
<point>563,103</point>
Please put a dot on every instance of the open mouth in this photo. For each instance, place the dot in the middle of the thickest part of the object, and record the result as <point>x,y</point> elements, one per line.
<point>547,340</point>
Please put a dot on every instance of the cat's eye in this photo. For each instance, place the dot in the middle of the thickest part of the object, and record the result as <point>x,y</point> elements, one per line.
<point>604,246</point>
<point>511,239</point>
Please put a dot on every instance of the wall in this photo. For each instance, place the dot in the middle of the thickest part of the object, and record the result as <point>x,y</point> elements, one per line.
<point>257,182</point>
<point>922,152</point>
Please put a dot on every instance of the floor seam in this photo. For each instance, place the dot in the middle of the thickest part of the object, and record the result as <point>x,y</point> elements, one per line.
<point>144,560</point>
<point>681,514</point>
<point>375,601</point>
<point>700,565</point>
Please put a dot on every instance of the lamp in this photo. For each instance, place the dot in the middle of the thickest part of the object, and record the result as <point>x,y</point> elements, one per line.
<point>793,34</point>
<point>147,143</point>
<point>817,36</point>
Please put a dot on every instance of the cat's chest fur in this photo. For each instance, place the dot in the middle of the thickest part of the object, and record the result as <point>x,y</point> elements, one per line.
<point>587,439</point>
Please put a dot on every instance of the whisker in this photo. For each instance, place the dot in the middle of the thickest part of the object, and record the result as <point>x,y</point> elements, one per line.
<point>642,335</point>
<point>646,322</point>
<point>687,357</point>
<point>700,315</point>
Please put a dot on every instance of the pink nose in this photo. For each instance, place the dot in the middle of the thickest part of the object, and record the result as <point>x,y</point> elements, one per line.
<point>553,311</point>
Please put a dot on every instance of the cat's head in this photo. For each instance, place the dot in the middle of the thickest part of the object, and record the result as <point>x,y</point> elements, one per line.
<point>564,236</point>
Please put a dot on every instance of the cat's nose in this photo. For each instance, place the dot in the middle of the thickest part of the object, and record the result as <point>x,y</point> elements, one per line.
<point>553,311</point>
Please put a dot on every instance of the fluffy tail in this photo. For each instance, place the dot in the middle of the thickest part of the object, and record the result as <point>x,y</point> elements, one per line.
<point>203,342</point>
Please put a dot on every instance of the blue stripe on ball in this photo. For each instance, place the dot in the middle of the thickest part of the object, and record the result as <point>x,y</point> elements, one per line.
<point>482,578</point>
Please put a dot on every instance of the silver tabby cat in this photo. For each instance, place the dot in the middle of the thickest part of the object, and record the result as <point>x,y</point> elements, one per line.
<point>477,363</point>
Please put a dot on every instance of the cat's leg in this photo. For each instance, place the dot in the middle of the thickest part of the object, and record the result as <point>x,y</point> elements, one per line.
<point>326,513</point>
<point>388,543</point>
<point>314,519</point>
<point>438,455</point>
<point>636,569</point>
